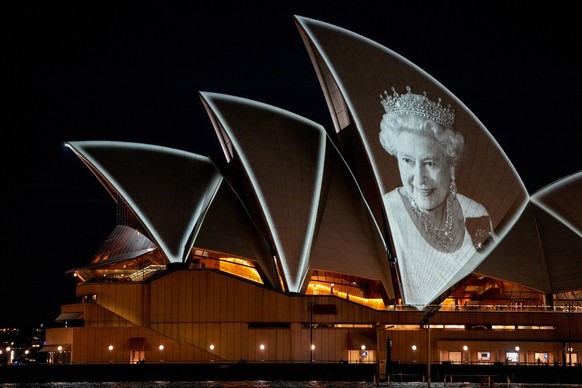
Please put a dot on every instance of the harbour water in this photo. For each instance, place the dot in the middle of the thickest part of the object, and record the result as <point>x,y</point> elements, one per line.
<point>275,384</point>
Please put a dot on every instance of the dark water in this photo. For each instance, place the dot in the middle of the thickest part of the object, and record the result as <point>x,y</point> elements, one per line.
<point>273,384</point>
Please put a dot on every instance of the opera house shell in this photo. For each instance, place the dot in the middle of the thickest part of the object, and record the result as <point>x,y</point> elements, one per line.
<point>295,249</point>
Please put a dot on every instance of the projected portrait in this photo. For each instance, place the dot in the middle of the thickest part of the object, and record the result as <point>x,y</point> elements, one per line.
<point>436,229</point>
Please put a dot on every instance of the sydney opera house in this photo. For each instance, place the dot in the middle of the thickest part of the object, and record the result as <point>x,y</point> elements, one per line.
<point>363,242</point>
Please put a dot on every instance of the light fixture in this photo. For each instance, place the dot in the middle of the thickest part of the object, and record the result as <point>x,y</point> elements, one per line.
<point>110,347</point>
<point>161,347</point>
<point>465,348</point>
<point>517,348</point>
<point>262,347</point>
<point>211,347</point>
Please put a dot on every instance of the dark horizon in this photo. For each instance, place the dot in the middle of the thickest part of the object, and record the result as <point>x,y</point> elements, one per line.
<point>93,72</point>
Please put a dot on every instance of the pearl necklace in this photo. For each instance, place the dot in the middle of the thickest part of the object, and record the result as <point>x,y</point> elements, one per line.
<point>443,236</point>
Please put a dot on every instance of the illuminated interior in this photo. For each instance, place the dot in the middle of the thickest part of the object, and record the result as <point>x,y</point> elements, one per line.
<point>133,270</point>
<point>476,293</point>
<point>356,289</point>
<point>239,267</point>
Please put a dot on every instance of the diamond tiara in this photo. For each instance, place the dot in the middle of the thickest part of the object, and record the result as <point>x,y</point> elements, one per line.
<point>420,105</point>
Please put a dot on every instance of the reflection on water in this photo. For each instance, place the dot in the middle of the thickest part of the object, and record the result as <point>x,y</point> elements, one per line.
<point>205,384</point>
<point>275,384</point>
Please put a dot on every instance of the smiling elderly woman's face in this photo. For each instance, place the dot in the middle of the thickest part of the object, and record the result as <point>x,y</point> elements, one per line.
<point>424,169</point>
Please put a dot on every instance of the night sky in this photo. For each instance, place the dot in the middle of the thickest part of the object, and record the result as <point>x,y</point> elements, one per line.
<point>83,70</point>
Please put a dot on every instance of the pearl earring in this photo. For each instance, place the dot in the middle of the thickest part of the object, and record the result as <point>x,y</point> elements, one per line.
<point>453,183</point>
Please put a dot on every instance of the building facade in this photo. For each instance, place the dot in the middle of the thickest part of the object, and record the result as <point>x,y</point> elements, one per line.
<point>304,247</point>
